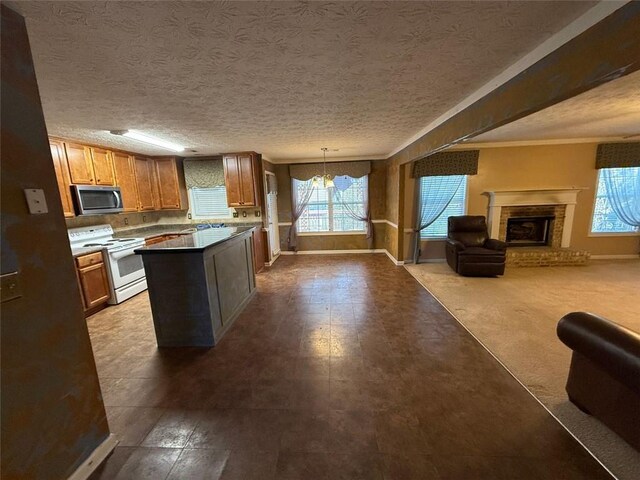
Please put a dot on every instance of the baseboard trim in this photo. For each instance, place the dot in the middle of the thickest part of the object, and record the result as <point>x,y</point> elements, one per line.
<point>333,252</point>
<point>393,259</point>
<point>94,460</point>
<point>344,252</point>
<point>273,260</point>
<point>614,257</point>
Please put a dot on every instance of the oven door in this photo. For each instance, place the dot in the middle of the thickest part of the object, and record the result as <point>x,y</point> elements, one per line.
<point>92,200</point>
<point>125,267</point>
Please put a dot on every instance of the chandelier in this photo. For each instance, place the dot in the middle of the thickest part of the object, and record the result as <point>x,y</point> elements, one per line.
<point>327,181</point>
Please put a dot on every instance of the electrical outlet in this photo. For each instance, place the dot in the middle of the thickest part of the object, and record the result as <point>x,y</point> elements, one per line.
<point>144,218</point>
<point>244,213</point>
<point>257,213</point>
<point>235,214</point>
<point>189,216</point>
<point>126,221</point>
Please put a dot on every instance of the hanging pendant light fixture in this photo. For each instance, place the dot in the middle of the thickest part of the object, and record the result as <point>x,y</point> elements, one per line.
<point>327,181</point>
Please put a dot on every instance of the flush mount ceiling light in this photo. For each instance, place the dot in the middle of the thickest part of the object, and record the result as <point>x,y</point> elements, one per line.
<point>326,179</point>
<point>143,137</point>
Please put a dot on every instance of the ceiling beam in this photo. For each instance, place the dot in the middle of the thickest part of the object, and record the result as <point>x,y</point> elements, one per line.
<point>608,50</point>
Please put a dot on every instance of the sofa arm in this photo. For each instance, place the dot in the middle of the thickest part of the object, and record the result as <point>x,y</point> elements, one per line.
<point>455,245</point>
<point>614,348</point>
<point>494,244</point>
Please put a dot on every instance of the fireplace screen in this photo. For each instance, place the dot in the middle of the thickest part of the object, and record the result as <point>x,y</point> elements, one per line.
<point>528,231</point>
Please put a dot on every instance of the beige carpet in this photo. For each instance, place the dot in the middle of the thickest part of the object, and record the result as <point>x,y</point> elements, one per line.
<point>515,317</point>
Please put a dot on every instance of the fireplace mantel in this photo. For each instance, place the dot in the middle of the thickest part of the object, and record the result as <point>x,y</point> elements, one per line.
<point>508,198</point>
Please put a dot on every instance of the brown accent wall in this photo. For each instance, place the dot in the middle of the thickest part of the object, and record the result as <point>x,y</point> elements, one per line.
<point>538,167</point>
<point>53,416</point>
<point>377,193</point>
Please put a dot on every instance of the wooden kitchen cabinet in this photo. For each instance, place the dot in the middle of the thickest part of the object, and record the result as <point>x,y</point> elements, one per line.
<point>146,183</point>
<point>144,178</point>
<point>125,177</point>
<point>93,281</point>
<point>242,179</point>
<point>62,176</point>
<point>102,166</point>
<point>79,162</point>
<point>258,249</point>
<point>168,185</point>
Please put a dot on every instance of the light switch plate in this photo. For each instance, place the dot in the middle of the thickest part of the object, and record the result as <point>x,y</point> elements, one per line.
<point>36,201</point>
<point>9,287</point>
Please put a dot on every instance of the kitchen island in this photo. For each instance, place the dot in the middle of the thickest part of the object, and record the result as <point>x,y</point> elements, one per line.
<point>198,284</point>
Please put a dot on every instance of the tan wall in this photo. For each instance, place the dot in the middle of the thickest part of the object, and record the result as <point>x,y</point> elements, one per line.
<point>377,194</point>
<point>52,411</point>
<point>531,167</point>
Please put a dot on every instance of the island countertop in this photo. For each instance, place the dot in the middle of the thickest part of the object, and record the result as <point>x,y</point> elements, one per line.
<point>194,242</point>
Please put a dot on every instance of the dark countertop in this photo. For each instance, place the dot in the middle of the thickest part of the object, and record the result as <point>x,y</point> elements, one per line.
<point>171,228</point>
<point>195,242</point>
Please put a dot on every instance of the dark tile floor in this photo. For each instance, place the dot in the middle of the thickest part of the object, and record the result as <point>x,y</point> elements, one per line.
<point>342,367</point>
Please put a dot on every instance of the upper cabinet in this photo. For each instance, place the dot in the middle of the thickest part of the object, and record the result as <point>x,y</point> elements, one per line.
<point>168,184</point>
<point>145,183</point>
<point>80,165</point>
<point>125,177</point>
<point>144,179</point>
<point>62,175</point>
<point>102,166</point>
<point>242,177</point>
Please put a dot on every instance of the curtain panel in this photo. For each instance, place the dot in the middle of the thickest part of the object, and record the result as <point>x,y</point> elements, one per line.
<point>623,193</point>
<point>297,207</point>
<point>362,214</point>
<point>456,162</point>
<point>306,171</point>
<point>440,192</point>
<point>618,155</point>
<point>203,173</point>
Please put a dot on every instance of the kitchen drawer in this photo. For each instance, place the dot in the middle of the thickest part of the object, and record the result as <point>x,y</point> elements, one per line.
<point>89,259</point>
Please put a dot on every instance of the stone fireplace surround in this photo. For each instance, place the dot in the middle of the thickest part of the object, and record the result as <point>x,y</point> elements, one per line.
<point>559,203</point>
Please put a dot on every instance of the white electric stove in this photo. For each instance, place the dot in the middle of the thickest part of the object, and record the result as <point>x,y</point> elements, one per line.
<point>126,272</point>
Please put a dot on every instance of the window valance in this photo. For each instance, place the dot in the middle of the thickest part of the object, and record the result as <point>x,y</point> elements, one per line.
<point>456,162</point>
<point>203,173</point>
<point>618,155</point>
<point>306,171</point>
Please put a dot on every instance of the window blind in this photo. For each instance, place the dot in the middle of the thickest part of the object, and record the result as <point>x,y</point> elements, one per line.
<point>209,203</point>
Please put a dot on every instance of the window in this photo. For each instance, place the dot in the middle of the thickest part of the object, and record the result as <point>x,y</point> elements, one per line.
<point>325,214</point>
<point>209,203</point>
<point>438,229</point>
<point>605,219</point>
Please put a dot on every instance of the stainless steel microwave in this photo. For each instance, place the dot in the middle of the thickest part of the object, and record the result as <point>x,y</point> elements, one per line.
<point>93,200</point>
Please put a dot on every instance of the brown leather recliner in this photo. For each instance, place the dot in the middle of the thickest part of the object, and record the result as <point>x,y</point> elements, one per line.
<point>470,251</point>
<point>604,377</point>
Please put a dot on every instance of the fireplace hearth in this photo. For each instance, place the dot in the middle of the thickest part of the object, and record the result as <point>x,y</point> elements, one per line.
<point>529,231</point>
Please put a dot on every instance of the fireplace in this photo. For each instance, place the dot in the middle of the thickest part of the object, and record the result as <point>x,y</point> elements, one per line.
<point>529,231</point>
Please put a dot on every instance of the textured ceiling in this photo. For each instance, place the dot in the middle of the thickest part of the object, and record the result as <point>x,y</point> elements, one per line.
<point>609,111</point>
<point>281,78</point>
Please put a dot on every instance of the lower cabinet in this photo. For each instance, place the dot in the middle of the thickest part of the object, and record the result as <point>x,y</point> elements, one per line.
<point>258,249</point>
<point>93,281</point>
